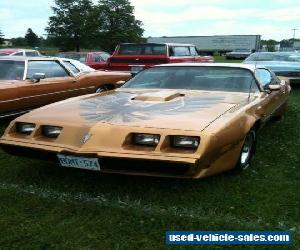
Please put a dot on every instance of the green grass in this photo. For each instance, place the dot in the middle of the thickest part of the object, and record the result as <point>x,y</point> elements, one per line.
<point>44,206</point>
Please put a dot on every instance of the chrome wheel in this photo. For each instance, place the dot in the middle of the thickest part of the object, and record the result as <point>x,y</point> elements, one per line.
<point>100,90</point>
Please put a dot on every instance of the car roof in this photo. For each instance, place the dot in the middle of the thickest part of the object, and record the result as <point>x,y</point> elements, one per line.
<point>15,50</point>
<point>9,50</point>
<point>35,58</point>
<point>81,52</point>
<point>251,67</point>
<point>277,52</point>
<point>170,44</point>
<point>24,58</point>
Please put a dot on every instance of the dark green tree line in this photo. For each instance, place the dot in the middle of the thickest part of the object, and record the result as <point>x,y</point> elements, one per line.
<point>81,24</point>
<point>1,38</point>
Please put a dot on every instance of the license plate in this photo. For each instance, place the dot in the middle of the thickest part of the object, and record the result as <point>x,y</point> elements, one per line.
<point>79,162</point>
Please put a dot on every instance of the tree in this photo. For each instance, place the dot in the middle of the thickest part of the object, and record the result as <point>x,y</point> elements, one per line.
<point>286,43</point>
<point>118,23</point>
<point>18,42</point>
<point>1,38</point>
<point>79,23</point>
<point>72,24</point>
<point>270,44</point>
<point>31,38</point>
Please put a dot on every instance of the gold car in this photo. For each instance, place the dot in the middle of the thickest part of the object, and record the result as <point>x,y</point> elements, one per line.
<point>27,83</point>
<point>178,120</point>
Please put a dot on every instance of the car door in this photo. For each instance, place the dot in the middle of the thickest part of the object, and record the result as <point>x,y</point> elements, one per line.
<point>194,53</point>
<point>11,73</point>
<point>272,100</point>
<point>8,98</point>
<point>58,84</point>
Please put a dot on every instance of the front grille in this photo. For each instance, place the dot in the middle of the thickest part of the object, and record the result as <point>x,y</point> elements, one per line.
<point>139,61</point>
<point>143,166</point>
<point>29,152</point>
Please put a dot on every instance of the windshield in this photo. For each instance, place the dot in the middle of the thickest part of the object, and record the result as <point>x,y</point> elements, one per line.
<point>11,70</point>
<point>142,49</point>
<point>75,56</point>
<point>195,78</point>
<point>283,56</point>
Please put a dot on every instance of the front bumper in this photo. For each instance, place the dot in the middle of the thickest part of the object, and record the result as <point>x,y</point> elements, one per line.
<point>135,163</point>
<point>113,163</point>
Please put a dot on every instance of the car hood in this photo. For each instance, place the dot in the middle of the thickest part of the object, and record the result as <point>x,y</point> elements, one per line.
<point>166,109</point>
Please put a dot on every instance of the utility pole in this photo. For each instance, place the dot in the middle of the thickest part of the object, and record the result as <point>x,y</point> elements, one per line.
<point>294,37</point>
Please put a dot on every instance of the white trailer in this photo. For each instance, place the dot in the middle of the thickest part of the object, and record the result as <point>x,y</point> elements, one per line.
<point>210,44</point>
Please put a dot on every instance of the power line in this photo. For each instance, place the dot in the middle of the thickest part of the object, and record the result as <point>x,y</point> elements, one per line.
<point>294,37</point>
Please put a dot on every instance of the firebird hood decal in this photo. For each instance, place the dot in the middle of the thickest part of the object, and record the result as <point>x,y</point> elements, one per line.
<point>121,107</point>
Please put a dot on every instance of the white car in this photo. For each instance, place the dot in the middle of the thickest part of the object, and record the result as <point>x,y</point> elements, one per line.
<point>19,52</point>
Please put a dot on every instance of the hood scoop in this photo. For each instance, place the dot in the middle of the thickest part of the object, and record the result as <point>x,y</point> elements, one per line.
<point>160,96</point>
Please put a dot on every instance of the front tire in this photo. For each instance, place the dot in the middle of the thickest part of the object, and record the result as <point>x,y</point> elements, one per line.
<point>280,113</point>
<point>247,151</point>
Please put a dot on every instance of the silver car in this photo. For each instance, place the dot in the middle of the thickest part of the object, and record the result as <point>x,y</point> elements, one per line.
<point>281,63</point>
<point>238,54</point>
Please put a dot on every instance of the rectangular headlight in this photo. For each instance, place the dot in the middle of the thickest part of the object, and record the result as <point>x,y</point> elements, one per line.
<point>51,131</point>
<point>146,139</point>
<point>25,128</point>
<point>180,141</point>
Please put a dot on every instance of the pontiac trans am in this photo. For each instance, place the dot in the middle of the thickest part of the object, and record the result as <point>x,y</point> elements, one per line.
<point>177,120</point>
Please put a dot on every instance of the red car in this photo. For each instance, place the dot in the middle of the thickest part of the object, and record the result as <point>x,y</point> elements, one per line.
<point>95,60</point>
<point>127,55</point>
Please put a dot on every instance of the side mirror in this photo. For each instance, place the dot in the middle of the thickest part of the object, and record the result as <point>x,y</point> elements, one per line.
<point>272,87</point>
<point>37,77</point>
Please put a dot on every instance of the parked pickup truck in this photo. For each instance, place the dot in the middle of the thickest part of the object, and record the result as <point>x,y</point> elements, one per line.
<point>127,55</point>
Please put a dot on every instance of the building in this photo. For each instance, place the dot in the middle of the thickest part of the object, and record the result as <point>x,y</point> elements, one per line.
<point>211,44</point>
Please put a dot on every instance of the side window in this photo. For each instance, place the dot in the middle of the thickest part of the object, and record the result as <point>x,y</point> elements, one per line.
<point>82,57</point>
<point>264,76</point>
<point>31,53</point>
<point>49,68</point>
<point>18,54</point>
<point>193,51</point>
<point>105,56</point>
<point>181,51</point>
<point>97,58</point>
<point>71,67</point>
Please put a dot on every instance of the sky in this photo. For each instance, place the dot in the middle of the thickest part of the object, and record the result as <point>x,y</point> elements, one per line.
<point>273,19</point>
